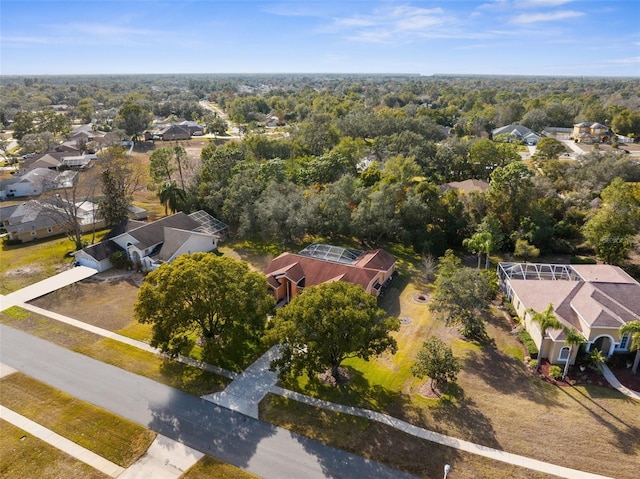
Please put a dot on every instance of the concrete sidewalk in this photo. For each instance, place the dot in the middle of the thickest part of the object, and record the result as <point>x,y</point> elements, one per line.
<point>124,339</point>
<point>165,458</point>
<point>61,443</point>
<point>247,390</point>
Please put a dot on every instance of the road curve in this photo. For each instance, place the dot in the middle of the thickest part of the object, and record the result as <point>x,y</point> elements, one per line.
<point>261,448</point>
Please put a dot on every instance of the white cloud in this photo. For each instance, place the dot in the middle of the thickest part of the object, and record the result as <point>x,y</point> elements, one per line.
<point>401,23</point>
<point>541,3</point>
<point>525,18</point>
<point>24,40</point>
<point>520,4</point>
<point>629,60</point>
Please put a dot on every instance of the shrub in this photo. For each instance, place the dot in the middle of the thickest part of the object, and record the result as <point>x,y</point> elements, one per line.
<point>555,372</point>
<point>525,339</point>
<point>533,364</point>
<point>119,260</point>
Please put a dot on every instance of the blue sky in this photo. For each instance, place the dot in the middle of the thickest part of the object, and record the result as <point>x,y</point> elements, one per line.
<point>523,37</point>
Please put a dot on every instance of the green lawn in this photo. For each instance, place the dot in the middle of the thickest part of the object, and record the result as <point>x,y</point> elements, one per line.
<point>21,265</point>
<point>110,436</point>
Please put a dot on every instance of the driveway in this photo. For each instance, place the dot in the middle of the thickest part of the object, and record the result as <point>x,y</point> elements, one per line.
<point>254,445</point>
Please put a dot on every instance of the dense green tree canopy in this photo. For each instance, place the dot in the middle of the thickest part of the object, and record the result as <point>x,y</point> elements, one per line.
<point>611,229</point>
<point>327,324</point>
<point>202,296</point>
<point>133,118</point>
<point>436,360</point>
<point>462,295</point>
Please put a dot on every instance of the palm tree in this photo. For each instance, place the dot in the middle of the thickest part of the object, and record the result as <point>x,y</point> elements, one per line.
<point>171,196</point>
<point>633,328</point>
<point>480,243</point>
<point>572,338</point>
<point>546,320</point>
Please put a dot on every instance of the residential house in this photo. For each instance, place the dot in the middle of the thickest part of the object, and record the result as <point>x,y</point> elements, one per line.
<point>35,182</point>
<point>596,300</point>
<point>289,273</point>
<point>172,132</point>
<point>35,219</point>
<point>148,245</point>
<point>194,128</point>
<point>516,133</point>
<point>587,132</point>
<point>50,161</point>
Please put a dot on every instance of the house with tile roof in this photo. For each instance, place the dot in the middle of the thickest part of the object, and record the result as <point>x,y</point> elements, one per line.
<point>588,132</point>
<point>148,245</point>
<point>596,300</point>
<point>290,273</point>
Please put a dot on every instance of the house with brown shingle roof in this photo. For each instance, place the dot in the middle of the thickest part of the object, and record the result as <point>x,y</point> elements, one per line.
<point>148,245</point>
<point>596,300</point>
<point>290,273</point>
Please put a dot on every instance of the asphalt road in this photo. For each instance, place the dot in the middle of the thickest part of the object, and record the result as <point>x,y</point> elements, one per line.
<point>254,445</point>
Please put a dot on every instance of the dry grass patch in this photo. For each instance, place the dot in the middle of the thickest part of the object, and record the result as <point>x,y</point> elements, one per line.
<point>23,455</point>
<point>208,467</point>
<point>106,304</point>
<point>257,254</point>
<point>110,436</point>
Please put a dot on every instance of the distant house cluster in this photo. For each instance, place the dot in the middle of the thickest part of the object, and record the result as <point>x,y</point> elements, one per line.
<point>149,245</point>
<point>289,273</point>
<point>595,300</point>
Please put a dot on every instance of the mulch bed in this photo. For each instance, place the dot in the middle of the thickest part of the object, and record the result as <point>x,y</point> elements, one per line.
<point>575,377</point>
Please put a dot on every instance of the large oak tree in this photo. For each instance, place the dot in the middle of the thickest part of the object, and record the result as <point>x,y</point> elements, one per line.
<point>327,324</point>
<point>202,296</point>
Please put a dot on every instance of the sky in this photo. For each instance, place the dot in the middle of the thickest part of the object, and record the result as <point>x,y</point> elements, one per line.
<point>498,37</point>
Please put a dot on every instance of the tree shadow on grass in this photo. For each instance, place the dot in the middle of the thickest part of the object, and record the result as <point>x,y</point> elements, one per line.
<point>466,415</point>
<point>193,380</point>
<point>508,375</point>
<point>627,435</point>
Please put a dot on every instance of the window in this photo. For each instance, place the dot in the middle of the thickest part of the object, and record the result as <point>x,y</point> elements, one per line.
<point>564,354</point>
<point>624,342</point>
